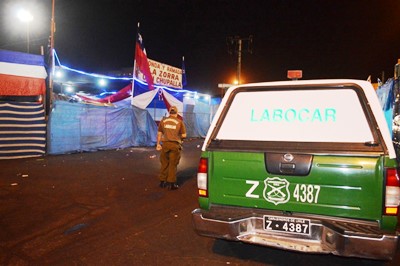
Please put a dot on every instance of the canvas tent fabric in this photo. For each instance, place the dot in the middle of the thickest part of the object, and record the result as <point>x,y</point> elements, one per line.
<point>77,127</point>
<point>22,74</point>
<point>22,130</point>
<point>158,100</point>
<point>196,112</point>
<point>138,97</point>
<point>22,124</point>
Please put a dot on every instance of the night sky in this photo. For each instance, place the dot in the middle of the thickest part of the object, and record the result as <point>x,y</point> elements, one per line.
<point>325,39</point>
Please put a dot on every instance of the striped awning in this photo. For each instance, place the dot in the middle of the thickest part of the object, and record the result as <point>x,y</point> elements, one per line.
<point>22,130</point>
<point>21,74</point>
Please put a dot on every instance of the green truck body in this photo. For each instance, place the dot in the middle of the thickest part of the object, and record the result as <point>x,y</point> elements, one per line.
<point>301,165</point>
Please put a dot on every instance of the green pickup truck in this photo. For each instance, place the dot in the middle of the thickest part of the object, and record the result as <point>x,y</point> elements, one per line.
<point>301,165</point>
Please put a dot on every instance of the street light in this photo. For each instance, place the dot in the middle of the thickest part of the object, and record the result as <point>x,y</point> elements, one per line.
<point>26,17</point>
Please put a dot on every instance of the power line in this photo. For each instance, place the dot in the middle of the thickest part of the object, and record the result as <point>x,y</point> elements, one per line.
<point>235,45</point>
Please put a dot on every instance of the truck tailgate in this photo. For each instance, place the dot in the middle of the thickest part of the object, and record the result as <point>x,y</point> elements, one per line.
<point>335,185</point>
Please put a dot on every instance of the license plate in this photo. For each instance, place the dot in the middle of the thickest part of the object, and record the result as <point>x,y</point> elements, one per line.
<point>287,224</point>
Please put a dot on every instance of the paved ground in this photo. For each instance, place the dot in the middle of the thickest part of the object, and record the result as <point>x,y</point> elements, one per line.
<point>105,208</point>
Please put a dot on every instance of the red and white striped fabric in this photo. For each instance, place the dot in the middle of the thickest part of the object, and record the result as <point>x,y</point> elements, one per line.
<point>21,74</point>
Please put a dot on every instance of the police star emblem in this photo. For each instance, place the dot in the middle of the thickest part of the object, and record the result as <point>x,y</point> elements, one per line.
<point>276,190</point>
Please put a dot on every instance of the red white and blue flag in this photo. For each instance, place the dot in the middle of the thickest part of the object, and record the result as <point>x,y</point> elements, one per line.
<point>22,74</point>
<point>141,62</point>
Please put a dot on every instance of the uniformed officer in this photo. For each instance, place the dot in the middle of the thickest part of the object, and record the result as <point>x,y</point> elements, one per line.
<point>171,131</point>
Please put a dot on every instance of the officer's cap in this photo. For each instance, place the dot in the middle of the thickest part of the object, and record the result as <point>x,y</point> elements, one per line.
<point>173,110</point>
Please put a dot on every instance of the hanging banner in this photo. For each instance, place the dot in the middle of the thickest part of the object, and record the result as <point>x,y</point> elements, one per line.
<point>163,75</point>
<point>22,74</point>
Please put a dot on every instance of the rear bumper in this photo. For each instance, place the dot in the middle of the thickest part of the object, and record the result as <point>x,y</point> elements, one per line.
<point>343,237</point>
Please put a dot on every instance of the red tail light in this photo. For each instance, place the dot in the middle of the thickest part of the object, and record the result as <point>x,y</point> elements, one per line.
<point>202,177</point>
<point>203,165</point>
<point>392,195</point>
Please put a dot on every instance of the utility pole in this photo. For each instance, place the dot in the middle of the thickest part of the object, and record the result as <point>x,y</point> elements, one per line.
<point>49,94</point>
<point>53,25</point>
<point>52,31</point>
<point>235,45</point>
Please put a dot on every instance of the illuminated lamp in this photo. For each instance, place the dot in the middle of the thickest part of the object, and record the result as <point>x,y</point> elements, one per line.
<point>102,82</point>
<point>69,89</point>
<point>24,15</point>
<point>59,74</point>
<point>294,74</point>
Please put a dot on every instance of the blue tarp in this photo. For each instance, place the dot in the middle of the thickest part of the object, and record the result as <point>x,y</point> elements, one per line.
<point>197,118</point>
<point>76,127</point>
<point>387,97</point>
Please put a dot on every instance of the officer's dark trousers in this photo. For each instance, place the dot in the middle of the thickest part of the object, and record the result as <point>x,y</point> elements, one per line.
<point>169,158</point>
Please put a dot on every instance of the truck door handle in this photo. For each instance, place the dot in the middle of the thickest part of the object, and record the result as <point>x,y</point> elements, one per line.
<point>288,166</point>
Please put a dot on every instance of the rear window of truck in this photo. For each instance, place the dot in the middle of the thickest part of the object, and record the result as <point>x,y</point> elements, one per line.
<point>297,115</point>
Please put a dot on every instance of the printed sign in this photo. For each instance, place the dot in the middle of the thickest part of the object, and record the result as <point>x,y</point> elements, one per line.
<point>163,75</point>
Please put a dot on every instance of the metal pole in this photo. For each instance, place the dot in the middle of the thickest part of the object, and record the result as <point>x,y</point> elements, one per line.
<point>239,63</point>
<point>27,37</point>
<point>52,31</point>
<point>53,24</point>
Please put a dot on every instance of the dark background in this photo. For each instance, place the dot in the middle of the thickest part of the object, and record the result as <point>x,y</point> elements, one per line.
<point>325,39</point>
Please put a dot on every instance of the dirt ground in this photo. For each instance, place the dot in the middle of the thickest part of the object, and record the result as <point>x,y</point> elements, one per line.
<point>93,208</point>
<point>105,208</point>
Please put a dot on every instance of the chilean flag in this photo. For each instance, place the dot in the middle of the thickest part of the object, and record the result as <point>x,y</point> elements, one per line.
<point>141,62</point>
